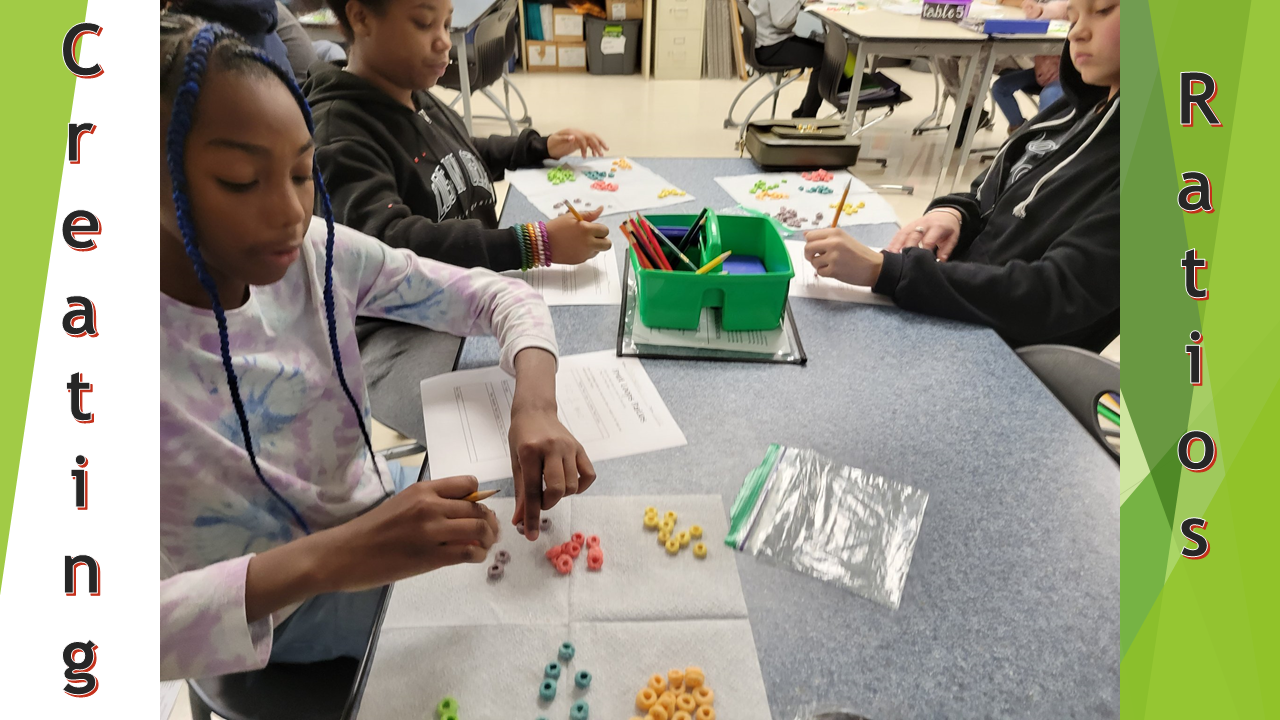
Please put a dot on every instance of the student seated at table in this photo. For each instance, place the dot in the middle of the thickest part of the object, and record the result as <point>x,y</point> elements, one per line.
<point>777,44</point>
<point>1041,79</point>
<point>1034,250</point>
<point>276,517</point>
<point>399,162</point>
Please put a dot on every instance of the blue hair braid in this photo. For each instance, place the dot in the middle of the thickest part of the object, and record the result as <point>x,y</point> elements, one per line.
<point>194,67</point>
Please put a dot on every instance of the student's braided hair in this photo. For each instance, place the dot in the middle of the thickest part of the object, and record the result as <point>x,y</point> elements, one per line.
<point>198,45</point>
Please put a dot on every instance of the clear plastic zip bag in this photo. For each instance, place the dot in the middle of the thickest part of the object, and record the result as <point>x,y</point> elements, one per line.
<point>843,525</point>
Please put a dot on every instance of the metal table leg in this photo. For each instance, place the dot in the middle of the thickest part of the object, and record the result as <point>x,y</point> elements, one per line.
<point>464,77</point>
<point>984,84</point>
<point>956,115</point>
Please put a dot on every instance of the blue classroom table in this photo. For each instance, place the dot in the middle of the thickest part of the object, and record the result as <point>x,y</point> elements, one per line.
<point>1012,604</point>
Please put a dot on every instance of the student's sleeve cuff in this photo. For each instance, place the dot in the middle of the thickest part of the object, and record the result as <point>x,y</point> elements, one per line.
<point>890,274</point>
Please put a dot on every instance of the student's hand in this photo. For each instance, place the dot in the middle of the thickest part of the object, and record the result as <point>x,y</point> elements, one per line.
<point>570,141</point>
<point>574,242</point>
<point>938,228</point>
<point>426,527</point>
<point>1032,8</point>
<point>833,253</point>
<point>547,462</point>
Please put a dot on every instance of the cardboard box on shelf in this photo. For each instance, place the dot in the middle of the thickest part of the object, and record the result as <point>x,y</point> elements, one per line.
<point>624,9</point>
<point>568,25</point>
<point>543,56</point>
<point>572,56</point>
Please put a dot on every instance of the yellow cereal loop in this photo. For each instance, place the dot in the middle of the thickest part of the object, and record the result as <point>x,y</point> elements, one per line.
<point>704,696</point>
<point>673,545</point>
<point>684,539</point>
<point>657,712</point>
<point>706,712</point>
<point>669,525</point>
<point>693,677</point>
<point>670,516</point>
<point>699,551</point>
<point>651,522</point>
<point>676,679</point>
<point>681,715</point>
<point>651,510</point>
<point>658,684</point>
<point>668,701</point>
<point>664,535</point>
<point>646,698</point>
<point>685,702</point>
<point>695,532</point>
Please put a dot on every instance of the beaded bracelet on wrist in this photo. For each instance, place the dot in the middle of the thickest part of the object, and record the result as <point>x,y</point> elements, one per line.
<point>546,242</point>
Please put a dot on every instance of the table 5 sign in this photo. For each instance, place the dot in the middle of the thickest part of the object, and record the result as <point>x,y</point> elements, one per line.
<point>78,230</point>
<point>1197,90</point>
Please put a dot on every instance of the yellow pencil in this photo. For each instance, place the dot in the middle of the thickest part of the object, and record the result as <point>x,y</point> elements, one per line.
<point>575,212</point>
<point>840,208</point>
<point>713,264</point>
<point>479,495</point>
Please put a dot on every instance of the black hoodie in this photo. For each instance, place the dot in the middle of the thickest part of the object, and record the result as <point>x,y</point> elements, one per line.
<point>1039,260</point>
<point>414,179</point>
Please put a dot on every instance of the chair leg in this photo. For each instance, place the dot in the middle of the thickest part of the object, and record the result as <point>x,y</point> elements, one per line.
<point>511,123</point>
<point>524,106</point>
<point>728,120</point>
<point>751,113</point>
<point>939,105</point>
<point>776,78</point>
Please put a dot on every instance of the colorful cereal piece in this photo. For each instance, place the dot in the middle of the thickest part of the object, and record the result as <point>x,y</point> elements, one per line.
<point>675,679</point>
<point>503,557</point>
<point>554,552</point>
<point>520,528</point>
<point>564,564</point>
<point>704,696</point>
<point>670,516</point>
<point>579,711</point>
<point>548,690</point>
<point>651,510</point>
<point>668,525</point>
<point>595,559</point>
<point>582,679</point>
<point>658,683</point>
<point>700,551</point>
<point>578,538</point>
<point>651,522</point>
<point>683,538</point>
<point>544,524</point>
<point>646,698</point>
<point>657,712</point>
<point>593,541</point>
<point>706,712</point>
<point>552,670</point>
<point>663,535</point>
<point>685,702</point>
<point>668,701</point>
<point>574,549</point>
<point>495,572</point>
<point>681,715</point>
<point>447,706</point>
<point>693,678</point>
<point>695,532</point>
<point>566,651</point>
<point>673,546</point>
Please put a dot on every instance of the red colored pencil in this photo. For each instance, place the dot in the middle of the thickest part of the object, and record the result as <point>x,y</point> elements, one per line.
<point>641,248</point>
<point>653,243</point>
<point>643,243</point>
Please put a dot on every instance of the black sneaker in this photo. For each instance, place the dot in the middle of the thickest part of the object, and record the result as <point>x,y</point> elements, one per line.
<point>983,120</point>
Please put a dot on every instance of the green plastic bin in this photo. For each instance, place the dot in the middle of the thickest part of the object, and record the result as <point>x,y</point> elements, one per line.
<point>747,302</point>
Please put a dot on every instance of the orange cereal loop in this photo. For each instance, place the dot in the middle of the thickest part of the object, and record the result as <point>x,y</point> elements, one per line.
<point>668,701</point>
<point>686,703</point>
<point>646,698</point>
<point>676,678</point>
<point>704,696</point>
<point>681,715</point>
<point>693,678</point>
<point>706,712</point>
<point>658,683</point>
<point>657,712</point>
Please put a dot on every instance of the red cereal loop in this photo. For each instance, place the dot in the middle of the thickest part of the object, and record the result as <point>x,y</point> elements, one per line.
<point>564,564</point>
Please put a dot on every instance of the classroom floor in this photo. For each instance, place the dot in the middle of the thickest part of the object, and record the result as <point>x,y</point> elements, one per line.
<point>684,118</point>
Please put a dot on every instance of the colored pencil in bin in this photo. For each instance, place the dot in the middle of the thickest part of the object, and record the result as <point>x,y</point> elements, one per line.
<point>835,221</point>
<point>653,242</point>
<point>655,254</point>
<point>640,256</point>
<point>669,244</point>
<point>692,232</point>
<point>714,263</point>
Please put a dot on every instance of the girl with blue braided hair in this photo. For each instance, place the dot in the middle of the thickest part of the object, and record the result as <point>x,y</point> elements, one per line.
<point>276,518</point>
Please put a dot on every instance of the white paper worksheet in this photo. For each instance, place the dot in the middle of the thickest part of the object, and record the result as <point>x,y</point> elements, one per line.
<point>594,282</point>
<point>638,187</point>
<point>711,336</point>
<point>809,205</point>
<point>607,402</point>
<point>808,283</point>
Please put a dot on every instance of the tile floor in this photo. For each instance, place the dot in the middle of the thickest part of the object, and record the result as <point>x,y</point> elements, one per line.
<point>684,118</point>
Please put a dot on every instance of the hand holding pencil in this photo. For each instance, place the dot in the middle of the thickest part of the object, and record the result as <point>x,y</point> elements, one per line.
<point>577,237</point>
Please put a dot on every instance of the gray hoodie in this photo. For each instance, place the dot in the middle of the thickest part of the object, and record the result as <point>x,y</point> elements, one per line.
<point>775,20</point>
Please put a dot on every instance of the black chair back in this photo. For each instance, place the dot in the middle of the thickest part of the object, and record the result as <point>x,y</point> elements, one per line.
<point>489,53</point>
<point>1078,378</point>
<point>835,52</point>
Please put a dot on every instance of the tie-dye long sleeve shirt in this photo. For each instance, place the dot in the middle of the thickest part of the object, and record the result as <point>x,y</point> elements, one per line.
<point>214,512</point>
